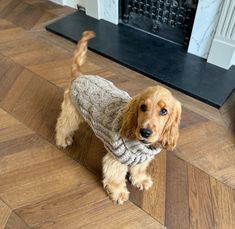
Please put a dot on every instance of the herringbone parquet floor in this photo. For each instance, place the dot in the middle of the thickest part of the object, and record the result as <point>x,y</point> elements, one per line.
<point>42,186</point>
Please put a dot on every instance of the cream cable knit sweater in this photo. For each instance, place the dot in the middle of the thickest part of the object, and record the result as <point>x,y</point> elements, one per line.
<point>101,104</point>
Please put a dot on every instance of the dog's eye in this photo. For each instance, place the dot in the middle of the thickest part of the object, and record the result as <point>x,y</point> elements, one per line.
<point>163,111</point>
<point>143,107</point>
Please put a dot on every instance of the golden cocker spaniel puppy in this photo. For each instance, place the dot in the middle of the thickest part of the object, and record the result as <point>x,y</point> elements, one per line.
<point>133,130</point>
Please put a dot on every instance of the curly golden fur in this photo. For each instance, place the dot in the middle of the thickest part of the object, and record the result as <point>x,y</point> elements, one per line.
<point>165,128</point>
<point>153,109</point>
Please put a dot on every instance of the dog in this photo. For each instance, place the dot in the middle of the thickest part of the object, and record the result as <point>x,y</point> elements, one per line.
<point>133,130</point>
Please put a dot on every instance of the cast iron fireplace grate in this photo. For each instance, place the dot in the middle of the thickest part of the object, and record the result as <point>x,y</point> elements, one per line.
<point>169,19</point>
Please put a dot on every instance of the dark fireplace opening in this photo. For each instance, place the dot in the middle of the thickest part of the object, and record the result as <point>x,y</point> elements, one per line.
<point>168,19</point>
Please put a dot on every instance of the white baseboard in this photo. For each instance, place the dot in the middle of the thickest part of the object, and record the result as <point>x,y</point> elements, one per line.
<point>221,53</point>
<point>59,2</point>
<point>71,3</point>
<point>82,3</point>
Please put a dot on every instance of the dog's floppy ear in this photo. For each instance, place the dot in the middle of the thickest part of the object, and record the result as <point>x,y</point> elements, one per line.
<point>130,118</point>
<point>170,133</point>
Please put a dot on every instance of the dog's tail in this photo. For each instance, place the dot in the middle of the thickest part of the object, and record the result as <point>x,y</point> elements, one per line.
<point>80,54</point>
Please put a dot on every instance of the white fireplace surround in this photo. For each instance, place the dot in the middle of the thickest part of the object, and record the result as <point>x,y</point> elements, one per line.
<point>210,40</point>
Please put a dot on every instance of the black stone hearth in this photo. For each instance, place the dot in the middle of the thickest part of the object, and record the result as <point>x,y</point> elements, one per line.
<point>156,58</point>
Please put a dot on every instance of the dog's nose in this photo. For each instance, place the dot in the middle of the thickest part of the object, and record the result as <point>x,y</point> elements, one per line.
<point>145,132</point>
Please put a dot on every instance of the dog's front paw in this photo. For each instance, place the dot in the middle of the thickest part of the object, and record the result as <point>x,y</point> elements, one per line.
<point>118,195</point>
<point>63,142</point>
<point>142,182</point>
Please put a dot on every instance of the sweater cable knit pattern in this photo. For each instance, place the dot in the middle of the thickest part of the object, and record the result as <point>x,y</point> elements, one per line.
<point>101,104</point>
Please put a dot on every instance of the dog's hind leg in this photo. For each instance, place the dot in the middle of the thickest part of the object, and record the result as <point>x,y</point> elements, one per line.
<point>67,123</point>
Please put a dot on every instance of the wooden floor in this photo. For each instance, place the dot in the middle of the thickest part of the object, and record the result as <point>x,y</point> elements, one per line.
<point>44,187</point>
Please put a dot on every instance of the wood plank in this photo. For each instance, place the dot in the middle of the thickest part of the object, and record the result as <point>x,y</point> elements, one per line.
<point>154,199</point>
<point>5,213</point>
<point>104,214</point>
<point>46,179</point>
<point>93,158</point>
<point>12,34</point>
<point>219,164</point>
<point>35,102</point>
<point>61,11</point>
<point>227,112</point>
<point>14,221</point>
<point>29,49</point>
<point>24,157</point>
<point>12,146</point>
<point>8,122</point>
<point>210,148</point>
<point>4,24</point>
<point>212,204</point>
<point>136,196</point>
<point>47,53</point>
<point>177,205</point>
<point>190,118</point>
<point>21,147</point>
<point>7,6</point>
<point>27,14</point>
<point>27,44</point>
<point>43,4</point>
<point>58,72</point>
<point>200,200</point>
<point>56,40</point>
<point>62,204</point>
<point>14,137</point>
<point>9,72</point>
<point>223,205</point>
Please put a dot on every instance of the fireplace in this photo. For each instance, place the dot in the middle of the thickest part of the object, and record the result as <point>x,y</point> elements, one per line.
<point>145,47</point>
<point>170,19</point>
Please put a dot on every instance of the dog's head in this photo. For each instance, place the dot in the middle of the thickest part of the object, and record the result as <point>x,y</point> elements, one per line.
<point>153,117</point>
